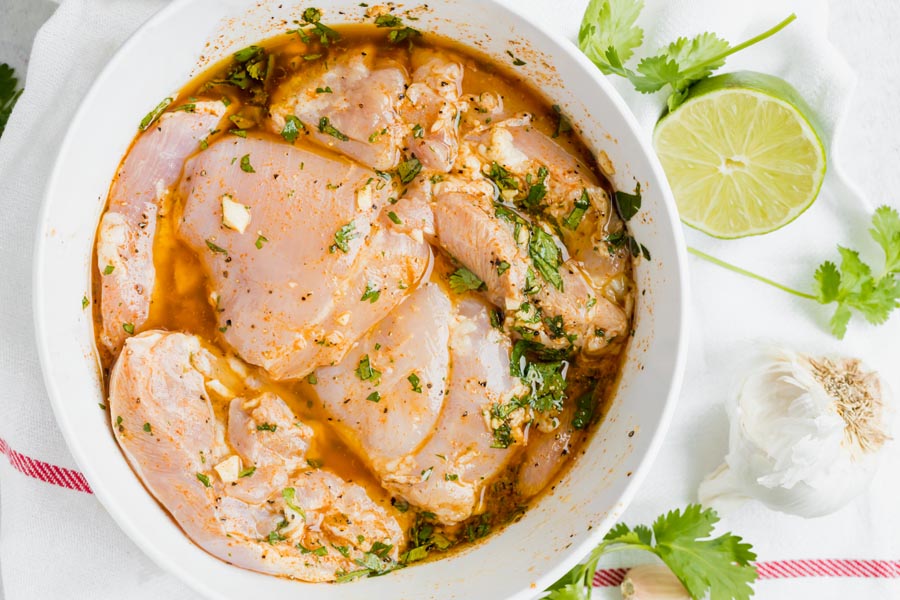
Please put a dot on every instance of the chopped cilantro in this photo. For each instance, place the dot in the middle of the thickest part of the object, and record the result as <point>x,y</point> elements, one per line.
<point>501,177</point>
<point>408,169</point>
<point>581,205</point>
<point>537,191</point>
<point>563,125</point>
<point>326,127</point>
<point>343,236</point>
<point>628,205</point>
<point>215,248</point>
<point>371,294</point>
<point>292,128</point>
<point>584,411</point>
<point>545,256</point>
<point>388,21</point>
<point>154,114</point>
<point>365,371</point>
<point>288,494</point>
<point>463,280</point>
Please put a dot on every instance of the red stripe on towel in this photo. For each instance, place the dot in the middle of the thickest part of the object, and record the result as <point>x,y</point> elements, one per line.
<point>792,569</point>
<point>61,476</point>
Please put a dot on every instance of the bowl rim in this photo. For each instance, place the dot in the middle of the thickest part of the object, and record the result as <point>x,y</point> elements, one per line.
<point>574,553</point>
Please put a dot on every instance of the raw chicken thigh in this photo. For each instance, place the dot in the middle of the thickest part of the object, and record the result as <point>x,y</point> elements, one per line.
<point>238,484</point>
<point>287,283</point>
<point>412,398</point>
<point>125,237</point>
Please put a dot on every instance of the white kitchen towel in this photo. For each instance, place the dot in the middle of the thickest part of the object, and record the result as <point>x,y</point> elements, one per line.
<point>56,542</point>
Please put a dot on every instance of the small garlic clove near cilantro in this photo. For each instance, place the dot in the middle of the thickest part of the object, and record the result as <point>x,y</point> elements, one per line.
<point>805,434</point>
<point>234,214</point>
<point>652,582</point>
<point>229,469</point>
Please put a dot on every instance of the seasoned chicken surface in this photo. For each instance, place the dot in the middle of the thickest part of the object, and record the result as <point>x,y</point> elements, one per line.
<point>370,394</point>
<point>432,109</point>
<point>412,396</point>
<point>288,289</point>
<point>125,237</point>
<point>238,484</point>
<point>350,106</point>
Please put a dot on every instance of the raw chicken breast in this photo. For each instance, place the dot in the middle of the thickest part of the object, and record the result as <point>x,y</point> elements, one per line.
<point>348,105</point>
<point>412,342</point>
<point>125,236</point>
<point>289,288</point>
<point>426,437</point>
<point>496,246</point>
<point>546,453</point>
<point>257,506</point>
<point>523,150</point>
<point>431,110</point>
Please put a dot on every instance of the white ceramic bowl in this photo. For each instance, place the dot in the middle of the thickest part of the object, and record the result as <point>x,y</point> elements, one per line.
<point>559,530</point>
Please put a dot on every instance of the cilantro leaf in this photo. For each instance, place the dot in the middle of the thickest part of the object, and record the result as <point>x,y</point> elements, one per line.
<point>718,566</point>
<point>609,36</point>
<point>610,24</point>
<point>628,204</point>
<point>8,93</point>
<point>655,73</point>
<point>704,565</point>
<point>886,232</point>
<point>854,285</point>
<point>464,280</point>
<point>828,279</point>
<point>546,256</point>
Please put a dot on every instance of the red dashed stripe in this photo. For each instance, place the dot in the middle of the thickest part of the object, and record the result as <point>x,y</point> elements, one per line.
<point>789,569</point>
<point>774,569</point>
<point>38,469</point>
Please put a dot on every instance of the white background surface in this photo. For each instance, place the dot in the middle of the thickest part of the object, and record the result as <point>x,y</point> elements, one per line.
<point>866,32</point>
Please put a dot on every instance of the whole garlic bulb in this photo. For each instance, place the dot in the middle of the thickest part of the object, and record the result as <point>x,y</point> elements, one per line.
<point>805,435</point>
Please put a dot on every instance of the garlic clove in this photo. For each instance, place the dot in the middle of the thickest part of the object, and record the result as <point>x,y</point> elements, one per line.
<point>652,582</point>
<point>229,469</point>
<point>234,214</point>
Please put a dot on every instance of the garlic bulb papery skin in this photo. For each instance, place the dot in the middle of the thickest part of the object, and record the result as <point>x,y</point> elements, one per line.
<point>805,435</point>
<point>652,582</point>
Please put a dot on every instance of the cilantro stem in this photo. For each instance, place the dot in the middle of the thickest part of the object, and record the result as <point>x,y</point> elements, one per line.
<point>746,273</point>
<point>753,40</point>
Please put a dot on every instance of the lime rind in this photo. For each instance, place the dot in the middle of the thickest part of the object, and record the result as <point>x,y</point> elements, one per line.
<point>742,156</point>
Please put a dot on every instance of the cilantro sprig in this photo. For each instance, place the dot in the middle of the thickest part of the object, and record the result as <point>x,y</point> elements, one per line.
<point>853,286</point>
<point>9,95</point>
<point>718,566</point>
<point>609,36</point>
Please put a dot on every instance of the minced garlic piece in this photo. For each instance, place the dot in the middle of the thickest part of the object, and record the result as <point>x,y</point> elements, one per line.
<point>234,214</point>
<point>229,469</point>
<point>364,197</point>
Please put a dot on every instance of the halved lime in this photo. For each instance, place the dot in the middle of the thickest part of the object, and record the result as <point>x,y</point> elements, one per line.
<point>742,154</point>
